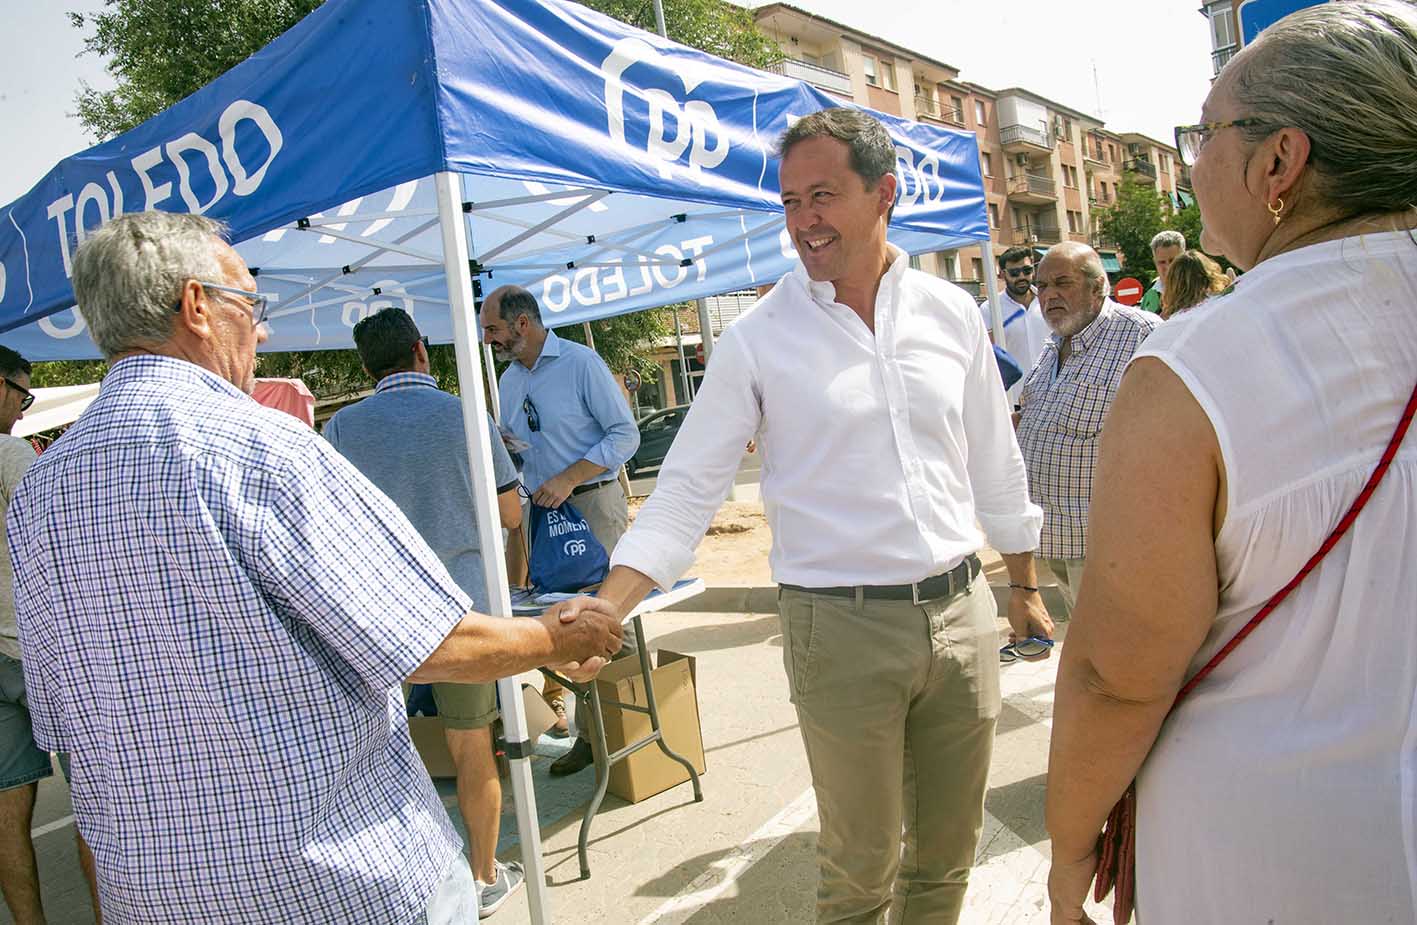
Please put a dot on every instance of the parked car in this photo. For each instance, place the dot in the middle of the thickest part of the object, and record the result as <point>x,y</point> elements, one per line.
<point>657,432</point>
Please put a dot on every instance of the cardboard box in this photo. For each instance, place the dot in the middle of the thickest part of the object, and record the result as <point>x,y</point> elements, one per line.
<point>649,771</point>
<point>427,733</point>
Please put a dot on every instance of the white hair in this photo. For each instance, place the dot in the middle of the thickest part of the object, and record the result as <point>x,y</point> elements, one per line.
<point>128,275</point>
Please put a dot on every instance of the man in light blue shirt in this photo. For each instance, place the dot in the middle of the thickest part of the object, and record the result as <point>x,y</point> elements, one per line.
<point>408,439</point>
<point>560,397</point>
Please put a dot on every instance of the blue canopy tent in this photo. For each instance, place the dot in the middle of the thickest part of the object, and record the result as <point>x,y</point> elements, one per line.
<point>412,153</point>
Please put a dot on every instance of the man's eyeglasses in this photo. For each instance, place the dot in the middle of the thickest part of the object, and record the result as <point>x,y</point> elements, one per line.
<point>1032,647</point>
<point>28,395</point>
<point>533,420</point>
<point>1191,138</point>
<point>1016,272</point>
<point>260,302</point>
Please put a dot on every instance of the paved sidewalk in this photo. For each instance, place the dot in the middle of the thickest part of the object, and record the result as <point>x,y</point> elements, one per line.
<point>746,854</point>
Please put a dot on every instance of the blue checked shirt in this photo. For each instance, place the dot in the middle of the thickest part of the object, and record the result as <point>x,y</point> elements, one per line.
<point>216,611</point>
<point>1063,411</point>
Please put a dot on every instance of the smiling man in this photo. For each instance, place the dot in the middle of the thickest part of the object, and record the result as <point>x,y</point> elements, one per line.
<point>885,438</point>
<point>1066,397</point>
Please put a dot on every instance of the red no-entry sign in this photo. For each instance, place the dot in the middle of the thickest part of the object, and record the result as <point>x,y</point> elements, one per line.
<point>1128,291</point>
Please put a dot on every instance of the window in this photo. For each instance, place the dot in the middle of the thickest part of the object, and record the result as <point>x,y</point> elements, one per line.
<point>868,65</point>
<point>888,74</point>
<point>951,262</point>
<point>986,160</point>
<point>1074,221</point>
<point>1222,27</point>
<point>1165,162</point>
<point>981,114</point>
<point>1111,153</point>
<point>1070,177</point>
<point>957,109</point>
<point>993,215</point>
<point>1068,128</point>
<point>978,265</point>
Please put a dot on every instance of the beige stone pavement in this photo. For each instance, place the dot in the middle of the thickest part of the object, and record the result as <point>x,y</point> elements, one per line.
<point>746,853</point>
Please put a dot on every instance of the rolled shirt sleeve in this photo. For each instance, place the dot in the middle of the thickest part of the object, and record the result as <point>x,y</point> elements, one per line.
<point>699,469</point>
<point>605,403</point>
<point>997,475</point>
<point>337,554</point>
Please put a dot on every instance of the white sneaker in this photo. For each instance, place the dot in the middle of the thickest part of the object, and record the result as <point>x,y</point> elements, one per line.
<point>491,896</point>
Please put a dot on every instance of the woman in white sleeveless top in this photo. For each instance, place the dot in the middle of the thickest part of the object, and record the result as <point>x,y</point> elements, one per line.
<point>1284,789</point>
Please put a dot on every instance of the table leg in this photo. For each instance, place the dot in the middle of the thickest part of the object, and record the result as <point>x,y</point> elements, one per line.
<point>600,752</point>
<point>653,704</point>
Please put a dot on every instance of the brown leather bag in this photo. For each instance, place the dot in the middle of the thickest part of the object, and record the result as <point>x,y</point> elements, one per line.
<point>1117,845</point>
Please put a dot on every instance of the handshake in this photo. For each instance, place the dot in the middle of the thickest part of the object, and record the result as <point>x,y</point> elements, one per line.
<point>586,632</point>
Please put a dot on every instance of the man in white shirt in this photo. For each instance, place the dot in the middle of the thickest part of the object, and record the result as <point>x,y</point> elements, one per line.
<point>1025,331</point>
<point>874,397</point>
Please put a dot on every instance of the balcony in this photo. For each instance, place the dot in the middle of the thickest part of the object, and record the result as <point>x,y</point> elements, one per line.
<point>1101,242</point>
<point>1220,56</point>
<point>930,108</point>
<point>1021,139</point>
<point>1092,157</point>
<point>972,286</point>
<point>1037,234</point>
<point>1080,237</point>
<point>1142,166</point>
<point>1031,189</point>
<point>814,74</point>
<point>1183,181</point>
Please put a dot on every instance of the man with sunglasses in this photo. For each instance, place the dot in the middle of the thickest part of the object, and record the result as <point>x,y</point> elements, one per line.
<point>217,611</point>
<point>559,397</point>
<point>22,765</point>
<point>1025,331</point>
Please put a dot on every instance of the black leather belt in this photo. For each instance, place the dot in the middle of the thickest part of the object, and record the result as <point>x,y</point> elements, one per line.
<point>946,584</point>
<point>582,489</point>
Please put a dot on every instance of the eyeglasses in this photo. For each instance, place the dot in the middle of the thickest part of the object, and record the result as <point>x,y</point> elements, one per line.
<point>1032,647</point>
<point>1016,272</point>
<point>260,302</point>
<point>28,395</point>
<point>1191,138</point>
<point>533,420</point>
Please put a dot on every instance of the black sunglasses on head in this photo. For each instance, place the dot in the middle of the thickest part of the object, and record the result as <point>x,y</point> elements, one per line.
<point>28,395</point>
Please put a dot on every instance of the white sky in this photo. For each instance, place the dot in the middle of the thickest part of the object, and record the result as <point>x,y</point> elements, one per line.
<point>1152,59</point>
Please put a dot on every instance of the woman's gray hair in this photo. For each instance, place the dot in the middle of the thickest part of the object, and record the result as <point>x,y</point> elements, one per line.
<point>1346,75</point>
<point>129,274</point>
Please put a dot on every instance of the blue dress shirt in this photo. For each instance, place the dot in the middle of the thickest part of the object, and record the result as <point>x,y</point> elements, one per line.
<point>577,410</point>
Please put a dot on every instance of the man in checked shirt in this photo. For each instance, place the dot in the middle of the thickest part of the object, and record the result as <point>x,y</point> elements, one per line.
<point>1066,397</point>
<point>216,611</point>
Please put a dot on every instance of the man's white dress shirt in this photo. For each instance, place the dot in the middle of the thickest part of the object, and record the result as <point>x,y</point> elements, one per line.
<point>880,451</point>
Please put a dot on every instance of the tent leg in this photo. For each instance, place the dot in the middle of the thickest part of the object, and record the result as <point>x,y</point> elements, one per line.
<point>706,329</point>
<point>996,312</point>
<point>474,401</point>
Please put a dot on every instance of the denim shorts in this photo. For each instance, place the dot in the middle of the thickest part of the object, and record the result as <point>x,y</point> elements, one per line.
<point>20,761</point>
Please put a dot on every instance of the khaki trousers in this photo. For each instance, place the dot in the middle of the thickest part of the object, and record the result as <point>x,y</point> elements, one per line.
<point>1068,574</point>
<point>896,703</point>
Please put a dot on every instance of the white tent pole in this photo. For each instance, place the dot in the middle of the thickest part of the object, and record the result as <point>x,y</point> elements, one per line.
<point>493,395</point>
<point>494,569</point>
<point>705,329</point>
<point>996,312</point>
<point>683,363</point>
<point>589,336</point>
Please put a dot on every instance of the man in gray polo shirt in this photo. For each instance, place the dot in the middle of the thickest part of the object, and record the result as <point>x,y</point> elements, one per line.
<point>408,439</point>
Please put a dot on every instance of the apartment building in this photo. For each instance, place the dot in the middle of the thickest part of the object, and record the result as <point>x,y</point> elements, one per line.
<point>1047,168</point>
<point>1225,37</point>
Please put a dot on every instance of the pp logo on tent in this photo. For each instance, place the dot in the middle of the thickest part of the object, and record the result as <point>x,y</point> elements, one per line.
<point>696,126</point>
<point>919,179</point>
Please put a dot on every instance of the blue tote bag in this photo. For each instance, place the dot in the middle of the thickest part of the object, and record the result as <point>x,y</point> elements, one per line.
<point>565,555</point>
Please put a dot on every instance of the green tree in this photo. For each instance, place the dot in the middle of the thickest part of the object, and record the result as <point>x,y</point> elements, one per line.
<point>1131,222</point>
<point>159,51</point>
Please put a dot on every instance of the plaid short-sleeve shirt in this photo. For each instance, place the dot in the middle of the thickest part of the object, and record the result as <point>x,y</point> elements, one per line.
<point>216,611</point>
<point>1063,411</point>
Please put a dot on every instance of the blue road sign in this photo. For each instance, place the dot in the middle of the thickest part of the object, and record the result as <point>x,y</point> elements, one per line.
<point>1255,15</point>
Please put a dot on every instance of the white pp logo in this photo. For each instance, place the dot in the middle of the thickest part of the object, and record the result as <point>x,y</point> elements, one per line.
<point>696,126</point>
<point>574,547</point>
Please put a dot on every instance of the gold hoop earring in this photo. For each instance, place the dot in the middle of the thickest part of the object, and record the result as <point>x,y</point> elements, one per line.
<point>1277,210</point>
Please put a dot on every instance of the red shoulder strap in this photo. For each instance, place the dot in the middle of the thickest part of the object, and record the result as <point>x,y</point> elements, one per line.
<point>1333,538</point>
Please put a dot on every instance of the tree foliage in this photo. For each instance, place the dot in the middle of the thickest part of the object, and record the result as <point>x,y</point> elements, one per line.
<point>159,51</point>
<point>1131,222</point>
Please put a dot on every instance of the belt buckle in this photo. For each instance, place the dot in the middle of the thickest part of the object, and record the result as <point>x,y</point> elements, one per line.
<point>915,593</point>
